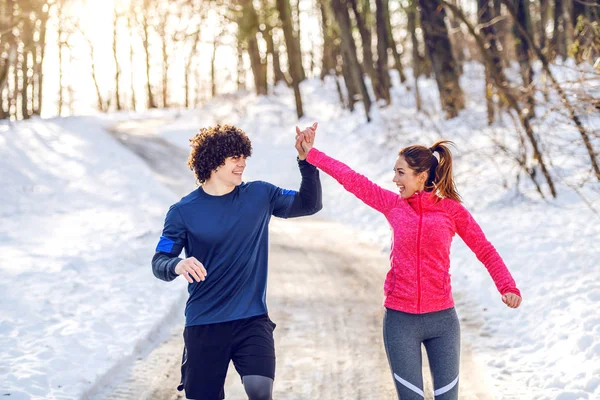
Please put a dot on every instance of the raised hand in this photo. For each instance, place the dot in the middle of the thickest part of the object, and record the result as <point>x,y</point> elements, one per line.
<point>305,140</point>
<point>306,137</point>
<point>299,148</point>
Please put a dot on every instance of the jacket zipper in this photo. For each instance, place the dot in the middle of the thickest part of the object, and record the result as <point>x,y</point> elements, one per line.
<point>419,256</point>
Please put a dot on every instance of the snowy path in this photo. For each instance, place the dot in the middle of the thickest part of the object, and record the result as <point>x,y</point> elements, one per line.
<point>324,294</point>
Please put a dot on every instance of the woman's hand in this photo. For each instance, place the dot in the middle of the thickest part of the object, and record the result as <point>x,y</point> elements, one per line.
<point>305,140</point>
<point>512,300</point>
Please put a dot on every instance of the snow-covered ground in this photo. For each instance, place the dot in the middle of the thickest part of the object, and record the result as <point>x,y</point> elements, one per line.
<point>81,216</point>
<point>80,220</point>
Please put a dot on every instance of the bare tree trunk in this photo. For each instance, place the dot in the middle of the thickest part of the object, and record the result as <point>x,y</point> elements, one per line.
<point>411,16</point>
<point>213,82</point>
<point>352,72</point>
<point>8,51</point>
<point>544,8</point>
<point>8,62</point>
<point>352,91</point>
<point>522,50</point>
<point>559,40</point>
<point>293,52</point>
<point>501,28</point>
<point>457,39</point>
<point>116,58</point>
<point>14,99</point>
<point>188,67</point>
<point>130,18</point>
<point>484,11</point>
<point>272,47</point>
<point>278,75</point>
<point>440,53</point>
<point>296,30</point>
<point>366,38</point>
<point>291,40</point>
<point>61,45</point>
<point>392,44</point>
<point>502,85</point>
<point>258,64</point>
<point>33,81</point>
<point>39,71</point>
<point>248,28</point>
<point>328,61</point>
<point>69,89</point>
<point>4,105</point>
<point>383,37</point>
<point>146,45</point>
<point>27,41</point>
<point>101,104</point>
<point>165,70</point>
<point>25,86</point>
<point>240,76</point>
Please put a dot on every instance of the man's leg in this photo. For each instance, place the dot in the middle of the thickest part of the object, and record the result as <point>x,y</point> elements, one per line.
<point>205,361</point>
<point>253,356</point>
<point>258,387</point>
<point>401,336</point>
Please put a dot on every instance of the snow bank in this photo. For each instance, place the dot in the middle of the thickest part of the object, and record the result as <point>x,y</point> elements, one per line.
<point>80,220</point>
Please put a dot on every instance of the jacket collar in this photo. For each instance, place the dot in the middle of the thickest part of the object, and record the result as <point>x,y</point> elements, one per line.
<point>425,198</point>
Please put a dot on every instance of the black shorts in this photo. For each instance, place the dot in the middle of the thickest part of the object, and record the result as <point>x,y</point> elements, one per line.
<point>208,349</point>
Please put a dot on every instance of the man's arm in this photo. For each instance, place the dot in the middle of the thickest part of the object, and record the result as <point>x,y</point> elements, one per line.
<point>163,265</point>
<point>309,199</point>
<point>168,266</point>
<point>169,246</point>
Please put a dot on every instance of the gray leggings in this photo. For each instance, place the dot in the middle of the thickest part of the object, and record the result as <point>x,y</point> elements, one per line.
<point>440,333</point>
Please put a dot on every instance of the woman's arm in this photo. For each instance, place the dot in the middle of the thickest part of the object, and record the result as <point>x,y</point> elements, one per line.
<point>472,234</point>
<point>371,194</point>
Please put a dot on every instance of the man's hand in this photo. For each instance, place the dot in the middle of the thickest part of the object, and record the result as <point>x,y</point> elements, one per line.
<point>191,269</point>
<point>512,300</point>
<point>305,140</point>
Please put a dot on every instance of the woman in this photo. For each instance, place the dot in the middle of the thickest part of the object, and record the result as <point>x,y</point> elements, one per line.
<point>424,216</point>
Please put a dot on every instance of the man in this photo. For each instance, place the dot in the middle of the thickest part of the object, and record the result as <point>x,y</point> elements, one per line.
<point>223,227</point>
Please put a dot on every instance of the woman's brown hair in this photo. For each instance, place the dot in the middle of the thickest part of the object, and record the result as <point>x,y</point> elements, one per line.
<point>439,177</point>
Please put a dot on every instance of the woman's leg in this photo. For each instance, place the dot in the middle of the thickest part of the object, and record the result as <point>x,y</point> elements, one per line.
<point>443,352</point>
<point>402,339</point>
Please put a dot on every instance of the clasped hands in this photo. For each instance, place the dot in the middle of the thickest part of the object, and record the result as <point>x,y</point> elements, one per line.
<point>305,140</point>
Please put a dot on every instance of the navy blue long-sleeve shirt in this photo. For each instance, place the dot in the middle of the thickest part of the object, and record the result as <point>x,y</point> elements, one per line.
<point>229,235</point>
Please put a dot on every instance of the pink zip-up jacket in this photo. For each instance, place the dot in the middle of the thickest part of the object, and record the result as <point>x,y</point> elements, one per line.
<point>422,229</point>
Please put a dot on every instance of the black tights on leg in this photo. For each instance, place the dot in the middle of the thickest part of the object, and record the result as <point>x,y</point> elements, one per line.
<point>258,387</point>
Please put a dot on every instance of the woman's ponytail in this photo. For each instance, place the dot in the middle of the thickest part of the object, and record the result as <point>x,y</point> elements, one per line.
<point>441,172</point>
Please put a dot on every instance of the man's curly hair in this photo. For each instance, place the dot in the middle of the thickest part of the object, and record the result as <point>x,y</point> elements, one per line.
<point>212,145</point>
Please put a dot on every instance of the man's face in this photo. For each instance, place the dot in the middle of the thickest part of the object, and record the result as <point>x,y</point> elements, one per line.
<point>231,173</point>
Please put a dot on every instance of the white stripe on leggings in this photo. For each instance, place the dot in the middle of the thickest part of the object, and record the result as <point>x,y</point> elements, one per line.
<point>409,385</point>
<point>446,388</point>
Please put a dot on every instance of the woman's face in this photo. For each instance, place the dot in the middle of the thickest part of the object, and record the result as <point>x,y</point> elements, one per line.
<point>406,179</point>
